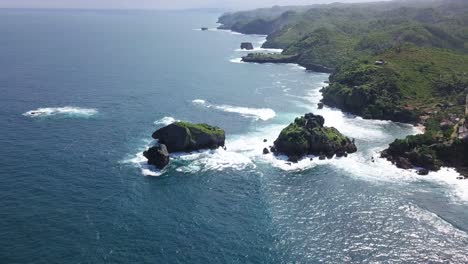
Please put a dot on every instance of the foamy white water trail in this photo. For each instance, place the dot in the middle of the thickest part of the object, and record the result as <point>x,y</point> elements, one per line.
<point>68,111</point>
<point>255,113</point>
<point>139,161</point>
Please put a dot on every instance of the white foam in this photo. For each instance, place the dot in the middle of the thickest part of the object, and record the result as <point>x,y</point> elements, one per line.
<point>139,161</point>
<point>213,160</point>
<point>69,111</point>
<point>295,66</point>
<point>357,165</point>
<point>255,113</point>
<point>439,225</point>
<point>252,144</point>
<point>199,101</point>
<point>167,120</point>
<point>203,160</point>
<point>148,170</point>
<point>268,50</point>
<point>236,60</point>
<point>448,177</point>
<point>228,31</point>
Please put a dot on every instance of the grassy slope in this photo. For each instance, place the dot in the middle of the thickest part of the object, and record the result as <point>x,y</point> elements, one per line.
<point>413,78</point>
<point>204,128</point>
<point>420,68</point>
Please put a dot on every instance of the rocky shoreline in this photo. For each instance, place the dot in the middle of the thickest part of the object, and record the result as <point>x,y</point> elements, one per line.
<point>373,90</point>
<point>269,58</point>
<point>281,58</point>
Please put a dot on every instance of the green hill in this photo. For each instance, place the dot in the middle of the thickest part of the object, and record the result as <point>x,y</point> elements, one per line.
<point>404,61</point>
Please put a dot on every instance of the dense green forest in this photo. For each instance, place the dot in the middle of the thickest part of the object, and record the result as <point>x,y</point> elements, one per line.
<point>397,60</point>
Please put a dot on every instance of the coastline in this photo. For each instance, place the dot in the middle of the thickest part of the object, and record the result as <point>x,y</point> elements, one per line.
<point>445,175</point>
<point>77,184</point>
<point>399,114</point>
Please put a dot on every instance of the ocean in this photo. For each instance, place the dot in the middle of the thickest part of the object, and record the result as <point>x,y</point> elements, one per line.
<point>82,92</point>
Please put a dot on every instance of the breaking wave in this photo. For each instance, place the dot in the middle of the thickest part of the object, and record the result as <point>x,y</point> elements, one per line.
<point>67,111</point>
<point>255,113</point>
<point>167,120</point>
<point>197,161</point>
<point>236,60</point>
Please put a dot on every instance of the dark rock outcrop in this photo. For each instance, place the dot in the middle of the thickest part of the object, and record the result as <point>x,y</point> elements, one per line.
<point>204,28</point>
<point>307,135</point>
<point>184,136</point>
<point>422,157</point>
<point>269,58</point>
<point>265,151</point>
<point>428,152</point>
<point>157,156</point>
<point>316,67</point>
<point>423,171</point>
<point>247,46</point>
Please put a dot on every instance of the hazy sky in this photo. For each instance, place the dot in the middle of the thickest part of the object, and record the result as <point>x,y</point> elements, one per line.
<point>158,4</point>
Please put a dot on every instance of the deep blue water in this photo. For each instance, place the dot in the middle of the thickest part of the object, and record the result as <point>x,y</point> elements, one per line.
<point>74,189</point>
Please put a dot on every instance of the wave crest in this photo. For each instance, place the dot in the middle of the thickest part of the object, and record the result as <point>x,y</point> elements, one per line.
<point>167,120</point>
<point>203,160</point>
<point>69,111</point>
<point>255,113</point>
<point>236,60</point>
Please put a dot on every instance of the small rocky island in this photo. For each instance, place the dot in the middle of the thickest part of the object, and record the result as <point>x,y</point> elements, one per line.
<point>183,137</point>
<point>247,46</point>
<point>307,135</point>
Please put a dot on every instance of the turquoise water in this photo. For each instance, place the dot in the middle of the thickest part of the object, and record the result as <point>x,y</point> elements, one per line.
<point>81,93</point>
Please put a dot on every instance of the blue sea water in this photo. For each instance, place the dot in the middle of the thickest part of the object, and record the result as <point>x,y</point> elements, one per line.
<point>81,93</point>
